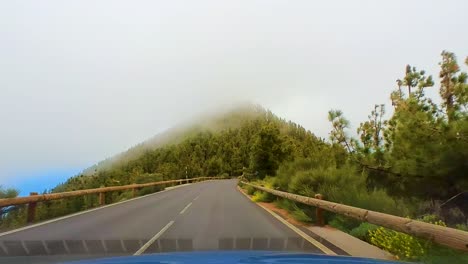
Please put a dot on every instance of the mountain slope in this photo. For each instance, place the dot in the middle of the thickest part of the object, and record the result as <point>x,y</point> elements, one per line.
<point>245,139</point>
<point>228,119</point>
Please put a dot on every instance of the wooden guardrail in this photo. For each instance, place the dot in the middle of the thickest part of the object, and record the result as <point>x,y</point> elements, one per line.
<point>446,236</point>
<point>34,197</point>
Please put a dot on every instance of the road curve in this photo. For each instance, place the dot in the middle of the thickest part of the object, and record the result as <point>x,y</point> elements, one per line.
<point>210,215</point>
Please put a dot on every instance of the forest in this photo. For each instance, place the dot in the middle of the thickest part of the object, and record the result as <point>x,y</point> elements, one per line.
<point>408,162</point>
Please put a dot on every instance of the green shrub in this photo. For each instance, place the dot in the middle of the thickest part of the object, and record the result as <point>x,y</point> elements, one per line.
<point>306,183</point>
<point>250,190</point>
<point>298,213</point>
<point>260,196</point>
<point>363,231</point>
<point>438,254</point>
<point>401,245</point>
<point>343,223</point>
<point>148,190</point>
<point>463,227</point>
<point>267,182</point>
<point>284,203</point>
<point>407,247</point>
<point>344,185</point>
<point>125,195</point>
<point>432,219</point>
<point>287,170</point>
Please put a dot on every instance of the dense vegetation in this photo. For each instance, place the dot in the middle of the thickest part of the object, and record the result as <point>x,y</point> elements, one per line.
<point>404,165</point>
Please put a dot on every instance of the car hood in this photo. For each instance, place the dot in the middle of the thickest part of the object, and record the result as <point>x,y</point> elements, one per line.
<point>245,257</point>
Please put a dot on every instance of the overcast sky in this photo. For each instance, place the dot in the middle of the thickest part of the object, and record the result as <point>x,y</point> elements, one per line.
<point>83,80</point>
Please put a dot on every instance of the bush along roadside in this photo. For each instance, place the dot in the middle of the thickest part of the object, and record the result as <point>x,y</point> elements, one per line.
<point>404,247</point>
<point>409,248</point>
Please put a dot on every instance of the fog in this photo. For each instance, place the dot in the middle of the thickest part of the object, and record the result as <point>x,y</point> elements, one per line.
<point>83,80</point>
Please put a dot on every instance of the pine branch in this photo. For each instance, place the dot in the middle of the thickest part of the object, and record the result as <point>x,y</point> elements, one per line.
<point>386,170</point>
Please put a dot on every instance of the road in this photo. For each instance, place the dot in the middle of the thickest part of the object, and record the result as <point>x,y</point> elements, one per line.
<point>210,215</point>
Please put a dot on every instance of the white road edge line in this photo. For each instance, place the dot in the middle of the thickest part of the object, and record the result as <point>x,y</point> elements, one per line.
<point>151,241</point>
<point>85,212</point>
<point>196,198</point>
<point>186,207</point>
<point>301,233</point>
<point>295,229</point>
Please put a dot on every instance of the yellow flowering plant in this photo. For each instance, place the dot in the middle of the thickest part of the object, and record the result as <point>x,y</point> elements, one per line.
<point>401,245</point>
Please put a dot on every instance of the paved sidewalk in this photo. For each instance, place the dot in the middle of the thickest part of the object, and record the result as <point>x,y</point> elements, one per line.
<point>353,246</point>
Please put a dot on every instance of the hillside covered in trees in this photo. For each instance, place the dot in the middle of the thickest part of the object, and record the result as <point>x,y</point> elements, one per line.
<point>247,139</point>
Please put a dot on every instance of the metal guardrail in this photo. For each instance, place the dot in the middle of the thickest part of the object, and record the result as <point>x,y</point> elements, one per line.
<point>34,198</point>
<point>446,236</point>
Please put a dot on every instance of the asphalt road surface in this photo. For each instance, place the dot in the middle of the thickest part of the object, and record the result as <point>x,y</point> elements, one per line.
<point>211,215</point>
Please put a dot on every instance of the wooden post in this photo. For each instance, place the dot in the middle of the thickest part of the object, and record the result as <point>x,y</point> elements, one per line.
<point>319,212</point>
<point>31,209</point>
<point>102,198</point>
<point>134,192</point>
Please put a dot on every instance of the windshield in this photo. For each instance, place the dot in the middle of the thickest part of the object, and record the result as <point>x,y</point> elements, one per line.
<point>163,128</point>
